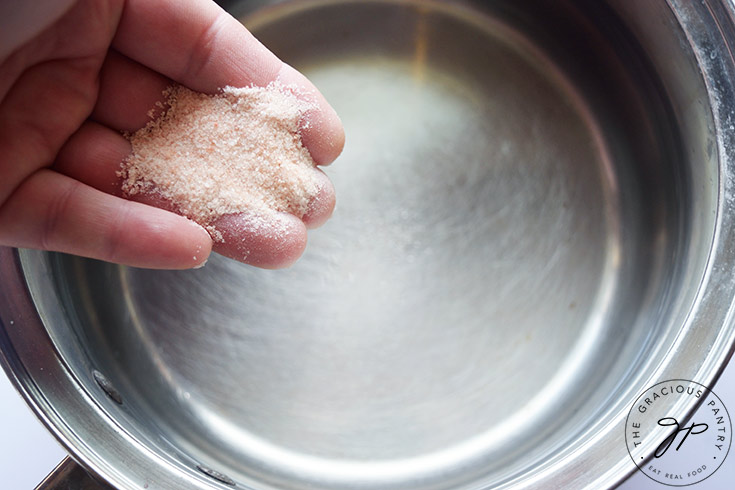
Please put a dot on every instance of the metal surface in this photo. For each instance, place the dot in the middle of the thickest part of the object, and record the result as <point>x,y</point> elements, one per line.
<point>70,476</point>
<point>534,219</point>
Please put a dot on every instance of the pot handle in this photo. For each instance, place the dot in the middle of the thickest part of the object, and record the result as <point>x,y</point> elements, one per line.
<point>68,475</point>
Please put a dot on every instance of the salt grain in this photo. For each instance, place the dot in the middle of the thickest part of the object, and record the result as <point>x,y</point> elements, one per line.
<point>238,151</point>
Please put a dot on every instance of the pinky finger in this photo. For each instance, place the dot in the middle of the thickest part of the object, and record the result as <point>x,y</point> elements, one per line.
<point>50,211</point>
<point>267,241</point>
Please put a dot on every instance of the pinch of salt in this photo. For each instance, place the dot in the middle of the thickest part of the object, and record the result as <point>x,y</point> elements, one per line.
<point>237,151</point>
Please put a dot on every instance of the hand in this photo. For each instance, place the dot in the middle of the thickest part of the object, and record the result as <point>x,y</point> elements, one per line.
<point>75,76</point>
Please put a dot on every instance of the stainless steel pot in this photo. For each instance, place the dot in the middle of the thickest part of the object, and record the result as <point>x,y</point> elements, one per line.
<point>535,222</point>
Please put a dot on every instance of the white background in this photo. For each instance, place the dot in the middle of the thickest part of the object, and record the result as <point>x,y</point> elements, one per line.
<point>28,452</point>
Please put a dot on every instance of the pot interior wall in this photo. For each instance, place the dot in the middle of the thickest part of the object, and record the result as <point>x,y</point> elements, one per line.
<point>523,219</point>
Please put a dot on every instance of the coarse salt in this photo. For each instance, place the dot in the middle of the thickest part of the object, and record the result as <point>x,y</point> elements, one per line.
<point>237,151</point>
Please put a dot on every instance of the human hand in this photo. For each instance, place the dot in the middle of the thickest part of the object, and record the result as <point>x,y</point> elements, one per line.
<point>75,76</point>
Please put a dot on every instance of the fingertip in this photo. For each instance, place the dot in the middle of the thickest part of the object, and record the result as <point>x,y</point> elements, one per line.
<point>322,204</point>
<point>188,243</point>
<point>201,245</point>
<point>322,132</point>
<point>162,240</point>
<point>268,241</point>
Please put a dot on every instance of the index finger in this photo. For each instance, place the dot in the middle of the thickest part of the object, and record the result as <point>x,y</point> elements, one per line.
<point>199,45</point>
